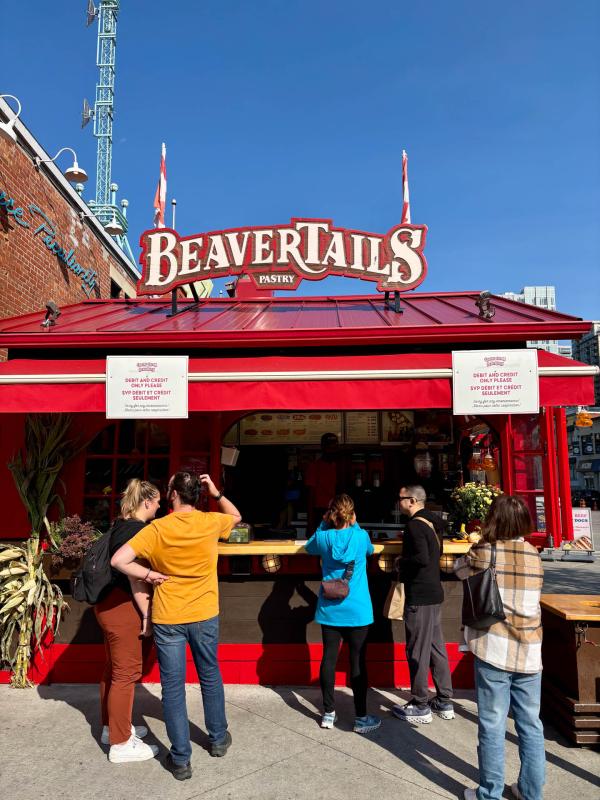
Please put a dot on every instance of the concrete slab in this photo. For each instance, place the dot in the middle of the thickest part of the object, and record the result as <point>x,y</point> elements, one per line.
<point>49,747</point>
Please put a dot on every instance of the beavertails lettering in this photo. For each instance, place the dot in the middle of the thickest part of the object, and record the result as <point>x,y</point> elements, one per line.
<point>282,255</point>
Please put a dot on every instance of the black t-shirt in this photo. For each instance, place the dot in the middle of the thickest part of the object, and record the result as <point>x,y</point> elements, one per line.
<point>121,532</point>
<point>420,561</point>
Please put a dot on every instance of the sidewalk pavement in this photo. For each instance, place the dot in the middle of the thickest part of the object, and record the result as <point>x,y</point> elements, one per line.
<point>50,751</point>
<point>49,746</point>
<point>575,577</point>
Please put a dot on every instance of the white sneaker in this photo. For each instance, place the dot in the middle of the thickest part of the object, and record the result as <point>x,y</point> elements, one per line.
<point>328,719</point>
<point>132,750</point>
<point>140,731</point>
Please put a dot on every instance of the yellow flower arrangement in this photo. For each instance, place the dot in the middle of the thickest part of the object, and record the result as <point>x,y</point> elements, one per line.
<point>472,501</point>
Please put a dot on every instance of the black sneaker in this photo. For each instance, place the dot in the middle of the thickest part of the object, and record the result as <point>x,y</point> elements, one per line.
<point>217,750</point>
<point>443,708</point>
<point>180,772</point>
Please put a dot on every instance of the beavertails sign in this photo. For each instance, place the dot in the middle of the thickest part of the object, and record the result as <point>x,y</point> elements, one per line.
<point>280,256</point>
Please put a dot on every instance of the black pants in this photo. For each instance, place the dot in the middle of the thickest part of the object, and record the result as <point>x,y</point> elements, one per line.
<point>425,650</point>
<point>356,638</point>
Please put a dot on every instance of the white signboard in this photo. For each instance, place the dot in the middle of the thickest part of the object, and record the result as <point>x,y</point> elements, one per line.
<point>495,382</point>
<point>582,523</point>
<point>146,387</point>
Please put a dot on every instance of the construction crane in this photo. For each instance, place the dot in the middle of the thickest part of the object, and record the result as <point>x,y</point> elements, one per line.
<point>113,217</point>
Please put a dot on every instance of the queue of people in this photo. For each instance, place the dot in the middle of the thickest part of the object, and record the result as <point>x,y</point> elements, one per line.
<point>177,557</point>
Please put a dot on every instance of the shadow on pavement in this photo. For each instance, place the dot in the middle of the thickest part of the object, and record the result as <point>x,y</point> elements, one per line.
<point>550,735</point>
<point>146,707</point>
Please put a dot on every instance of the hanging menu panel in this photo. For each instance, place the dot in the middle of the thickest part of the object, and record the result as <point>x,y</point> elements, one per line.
<point>295,428</point>
<point>362,427</point>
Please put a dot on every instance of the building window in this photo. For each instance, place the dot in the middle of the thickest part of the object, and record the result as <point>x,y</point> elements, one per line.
<point>123,450</point>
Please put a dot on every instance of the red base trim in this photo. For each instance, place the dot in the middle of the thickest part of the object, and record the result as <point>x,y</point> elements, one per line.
<point>274,664</point>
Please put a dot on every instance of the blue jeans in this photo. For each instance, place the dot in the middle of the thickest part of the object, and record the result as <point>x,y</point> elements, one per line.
<point>497,690</point>
<point>171,641</point>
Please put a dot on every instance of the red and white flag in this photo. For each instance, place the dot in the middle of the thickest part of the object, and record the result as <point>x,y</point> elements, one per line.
<point>405,197</point>
<point>160,198</point>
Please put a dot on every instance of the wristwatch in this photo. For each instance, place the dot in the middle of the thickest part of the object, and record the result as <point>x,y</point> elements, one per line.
<point>219,496</point>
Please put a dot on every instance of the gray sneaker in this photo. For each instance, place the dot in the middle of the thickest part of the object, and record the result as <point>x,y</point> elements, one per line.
<point>218,750</point>
<point>181,772</point>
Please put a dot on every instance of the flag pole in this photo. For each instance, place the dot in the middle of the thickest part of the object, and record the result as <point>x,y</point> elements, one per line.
<point>160,198</point>
<point>405,196</point>
<point>173,207</point>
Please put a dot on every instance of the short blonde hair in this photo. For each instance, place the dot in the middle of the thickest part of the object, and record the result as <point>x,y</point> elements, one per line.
<point>340,511</point>
<point>134,495</point>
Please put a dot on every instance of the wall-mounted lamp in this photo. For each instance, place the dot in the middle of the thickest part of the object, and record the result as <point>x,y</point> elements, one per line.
<point>484,304</point>
<point>52,314</point>
<point>74,174</point>
<point>114,227</point>
<point>7,129</point>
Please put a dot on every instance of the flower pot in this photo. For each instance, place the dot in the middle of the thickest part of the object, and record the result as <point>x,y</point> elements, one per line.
<point>62,573</point>
<point>473,525</point>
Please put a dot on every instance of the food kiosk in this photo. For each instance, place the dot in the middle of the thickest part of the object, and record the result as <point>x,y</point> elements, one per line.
<point>245,387</point>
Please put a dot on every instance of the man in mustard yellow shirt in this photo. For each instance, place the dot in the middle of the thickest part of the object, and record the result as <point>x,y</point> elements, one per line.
<point>182,551</point>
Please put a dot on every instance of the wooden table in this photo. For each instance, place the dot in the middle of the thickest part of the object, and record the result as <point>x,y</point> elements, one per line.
<point>571,659</point>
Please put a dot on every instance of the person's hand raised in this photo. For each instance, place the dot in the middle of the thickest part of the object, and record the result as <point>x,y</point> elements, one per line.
<point>208,485</point>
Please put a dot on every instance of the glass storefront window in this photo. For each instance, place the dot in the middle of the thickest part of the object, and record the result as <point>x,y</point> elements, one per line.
<point>528,473</point>
<point>123,450</point>
<point>526,432</point>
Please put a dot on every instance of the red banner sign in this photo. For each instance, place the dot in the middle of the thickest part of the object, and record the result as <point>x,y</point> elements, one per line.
<point>281,256</point>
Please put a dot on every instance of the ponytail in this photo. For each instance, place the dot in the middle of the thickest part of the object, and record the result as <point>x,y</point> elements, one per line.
<point>134,495</point>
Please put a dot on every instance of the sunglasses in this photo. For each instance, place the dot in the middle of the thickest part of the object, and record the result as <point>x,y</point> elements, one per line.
<point>401,497</point>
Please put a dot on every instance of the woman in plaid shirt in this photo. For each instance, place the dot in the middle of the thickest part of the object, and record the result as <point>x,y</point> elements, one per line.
<point>508,654</point>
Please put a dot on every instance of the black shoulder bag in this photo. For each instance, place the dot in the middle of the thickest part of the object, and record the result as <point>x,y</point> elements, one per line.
<point>482,604</point>
<point>338,588</point>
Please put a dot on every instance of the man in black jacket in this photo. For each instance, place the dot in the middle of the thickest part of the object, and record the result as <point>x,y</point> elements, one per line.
<point>425,647</point>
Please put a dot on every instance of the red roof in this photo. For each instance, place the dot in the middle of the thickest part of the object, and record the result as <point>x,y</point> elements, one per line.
<point>289,321</point>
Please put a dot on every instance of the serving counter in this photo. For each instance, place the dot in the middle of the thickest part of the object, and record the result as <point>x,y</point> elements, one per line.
<point>296,547</point>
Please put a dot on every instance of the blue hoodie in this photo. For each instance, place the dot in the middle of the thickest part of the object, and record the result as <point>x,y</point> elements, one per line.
<point>338,548</point>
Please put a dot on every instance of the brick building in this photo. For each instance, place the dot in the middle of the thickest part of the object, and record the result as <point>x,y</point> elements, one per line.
<point>48,249</point>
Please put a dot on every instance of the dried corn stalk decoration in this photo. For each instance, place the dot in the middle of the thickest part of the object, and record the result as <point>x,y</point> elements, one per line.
<point>30,607</point>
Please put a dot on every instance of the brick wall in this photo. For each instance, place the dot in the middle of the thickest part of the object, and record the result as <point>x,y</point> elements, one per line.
<point>30,274</point>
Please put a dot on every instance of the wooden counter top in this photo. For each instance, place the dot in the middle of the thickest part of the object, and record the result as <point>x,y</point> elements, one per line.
<point>290,548</point>
<point>576,607</point>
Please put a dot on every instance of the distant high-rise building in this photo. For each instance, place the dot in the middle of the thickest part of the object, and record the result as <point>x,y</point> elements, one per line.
<point>587,349</point>
<point>543,297</point>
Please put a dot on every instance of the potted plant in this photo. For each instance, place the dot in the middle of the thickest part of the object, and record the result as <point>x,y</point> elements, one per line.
<point>471,505</point>
<point>68,541</point>
<point>30,607</point>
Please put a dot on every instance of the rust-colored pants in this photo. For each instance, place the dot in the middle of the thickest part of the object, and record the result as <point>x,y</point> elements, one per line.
<point>121,622</point>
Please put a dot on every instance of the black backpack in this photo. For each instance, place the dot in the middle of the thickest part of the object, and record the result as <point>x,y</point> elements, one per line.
<point>95,576</point>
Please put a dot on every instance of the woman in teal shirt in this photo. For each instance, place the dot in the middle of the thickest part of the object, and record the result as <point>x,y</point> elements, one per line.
<point>340,541</point>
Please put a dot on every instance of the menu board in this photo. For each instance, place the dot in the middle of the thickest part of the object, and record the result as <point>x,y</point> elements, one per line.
<point>362,427</point>
<point>432,427</point>
<point>397,426</point>
<point>296,428</point>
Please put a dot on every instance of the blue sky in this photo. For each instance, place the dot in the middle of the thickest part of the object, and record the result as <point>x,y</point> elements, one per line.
<point>279,109</point>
